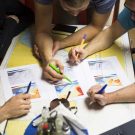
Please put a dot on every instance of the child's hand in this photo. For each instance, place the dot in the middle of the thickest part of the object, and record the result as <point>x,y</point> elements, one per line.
<point>76,55</point>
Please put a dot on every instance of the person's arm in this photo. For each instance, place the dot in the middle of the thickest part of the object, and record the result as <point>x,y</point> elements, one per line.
<point>16,106</point>
<point>124,95</point>
<point>44,41</point>
<point>91,30</point>
<point>101,42</point>
<point>43,21</point>
<point>105,38</point>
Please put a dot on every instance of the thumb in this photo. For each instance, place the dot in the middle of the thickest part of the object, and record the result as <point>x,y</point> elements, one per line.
<point>26,96</point>
<point>81,54</point>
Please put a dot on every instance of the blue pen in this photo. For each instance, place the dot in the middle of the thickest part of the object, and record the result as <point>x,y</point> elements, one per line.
<point>102,89</point>
<point>28,88</point>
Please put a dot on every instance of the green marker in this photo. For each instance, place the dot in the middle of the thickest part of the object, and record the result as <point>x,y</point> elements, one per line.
<point>58,71</point>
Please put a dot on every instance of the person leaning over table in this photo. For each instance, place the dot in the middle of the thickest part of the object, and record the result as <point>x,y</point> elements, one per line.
<point>66,12</point>
<point>125,22</point>
<point>16,106</point>
<point>14,18</point>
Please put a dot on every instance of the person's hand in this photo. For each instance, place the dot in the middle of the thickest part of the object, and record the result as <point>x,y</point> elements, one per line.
<point>76,55</point>
<point>17,106</point>
<point>56,47</point>
<point>101,99</point>
<point>50,74</point>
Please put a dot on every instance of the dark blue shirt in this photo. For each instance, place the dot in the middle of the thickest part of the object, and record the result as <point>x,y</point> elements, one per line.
<point>101,6</point>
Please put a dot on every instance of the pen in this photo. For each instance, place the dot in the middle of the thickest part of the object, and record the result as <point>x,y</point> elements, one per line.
<point>68,94</point>
<point>82,42</point>
<point>102,89</point>
<point>28,88</point>
<point>58,71</point>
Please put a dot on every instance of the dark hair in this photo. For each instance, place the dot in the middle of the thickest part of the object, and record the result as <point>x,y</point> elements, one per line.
<point>74,3</point>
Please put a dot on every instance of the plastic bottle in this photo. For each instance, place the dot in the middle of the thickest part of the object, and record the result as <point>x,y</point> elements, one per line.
<point>66,129</point>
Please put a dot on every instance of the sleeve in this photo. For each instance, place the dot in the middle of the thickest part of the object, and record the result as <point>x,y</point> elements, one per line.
<point>103,6</point>
<point>125,20</point>
<point>2,12</point>
<point>44,1</point>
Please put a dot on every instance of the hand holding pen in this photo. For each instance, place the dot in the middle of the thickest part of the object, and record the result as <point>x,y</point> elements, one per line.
<point>59,72</point>
<point>78,53</point>
<point>97,94</point>
<point>50,74</point>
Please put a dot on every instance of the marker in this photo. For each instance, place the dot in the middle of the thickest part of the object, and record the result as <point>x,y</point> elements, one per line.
<point>28,88</point>
<point>102,89</point>
<point>58,71</point>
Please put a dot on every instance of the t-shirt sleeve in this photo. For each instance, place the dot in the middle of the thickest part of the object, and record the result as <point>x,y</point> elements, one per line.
<point>103,6</point>
<point>125,20</point>
<point>44,1</point>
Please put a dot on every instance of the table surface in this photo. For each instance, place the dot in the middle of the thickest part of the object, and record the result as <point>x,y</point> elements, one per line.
<point>106,118</point>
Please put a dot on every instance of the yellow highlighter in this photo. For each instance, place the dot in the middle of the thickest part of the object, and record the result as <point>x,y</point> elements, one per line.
<point>82,43</point>
<point>58,71</point>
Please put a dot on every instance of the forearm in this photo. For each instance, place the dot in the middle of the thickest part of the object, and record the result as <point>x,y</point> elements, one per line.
<point>76,37</point>
<point>104,39</point>
<point>126,94</point>
<point>43,39</point>
<point>45,44</point>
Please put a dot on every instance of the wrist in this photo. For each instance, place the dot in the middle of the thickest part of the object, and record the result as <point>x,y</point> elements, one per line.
<point>109,98</point>
<point>4,113</point>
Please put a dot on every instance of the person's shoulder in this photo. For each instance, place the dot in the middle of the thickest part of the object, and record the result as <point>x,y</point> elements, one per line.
<point>103,2</point>
<point>103,6</point>
<point>44,1</point>
<point>125,19</point>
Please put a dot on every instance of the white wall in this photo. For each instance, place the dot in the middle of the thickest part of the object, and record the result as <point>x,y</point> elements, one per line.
<point>109,22</point>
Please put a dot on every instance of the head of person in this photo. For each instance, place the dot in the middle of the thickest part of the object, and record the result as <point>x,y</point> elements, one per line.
<point>130,4</point>
<point>74,7</point>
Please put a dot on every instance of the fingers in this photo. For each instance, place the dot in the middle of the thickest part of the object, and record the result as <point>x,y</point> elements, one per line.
<point>25,107</point>
<point>26,96</point>
<point>50,74</point>
<point>52,77</point>
<point>61,67</point>
<point>76,55</point>
<point>93,92</point>
<point>22,99</point>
